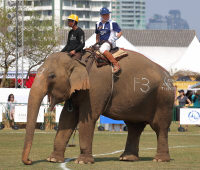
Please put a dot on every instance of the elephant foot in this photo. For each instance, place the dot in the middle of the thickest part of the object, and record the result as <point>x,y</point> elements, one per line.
<point>55,158</point>
<point>84,159</point>
<point>161,158</point>
<point>126,156</point>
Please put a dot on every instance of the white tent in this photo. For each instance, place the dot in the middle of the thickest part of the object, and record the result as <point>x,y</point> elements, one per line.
<point>121,42</point>
<point>164,56</point>
<point>189,63</point>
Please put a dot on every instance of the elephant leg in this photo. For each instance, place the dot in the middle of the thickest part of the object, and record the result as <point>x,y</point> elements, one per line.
<point>132,143</point>
<point>161,126</point>
<point>86,133</point>
<point>67,123</point>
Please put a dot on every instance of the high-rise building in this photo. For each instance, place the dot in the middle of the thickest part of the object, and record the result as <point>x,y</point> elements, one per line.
<point>58,10</point>
<point>157,22</point>
<point>173,21</point>
<point>129,14</point>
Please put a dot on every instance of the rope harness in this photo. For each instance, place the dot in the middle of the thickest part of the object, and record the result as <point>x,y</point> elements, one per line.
<point>88,67</point>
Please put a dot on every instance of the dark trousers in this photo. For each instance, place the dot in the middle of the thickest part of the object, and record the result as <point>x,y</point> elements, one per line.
<point>77,56</point>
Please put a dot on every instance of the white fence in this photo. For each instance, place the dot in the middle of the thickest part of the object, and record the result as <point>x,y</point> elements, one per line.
<point>21,114</point>
<point>58,112</point>
<point>1,108</point>
<point>190,116</point>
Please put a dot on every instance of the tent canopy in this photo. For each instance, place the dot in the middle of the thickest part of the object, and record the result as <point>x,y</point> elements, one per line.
<point>164,56</point>
<point>189,63</point>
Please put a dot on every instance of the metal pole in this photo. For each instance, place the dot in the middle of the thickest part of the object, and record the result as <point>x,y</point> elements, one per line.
<point>61,13</point>
<point>53,8</point>
<point>4,4</point>
<point>22,43</point>
<point>16,57</point>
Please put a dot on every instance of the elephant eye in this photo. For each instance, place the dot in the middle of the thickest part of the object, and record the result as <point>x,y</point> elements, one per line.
<point>51,76</point>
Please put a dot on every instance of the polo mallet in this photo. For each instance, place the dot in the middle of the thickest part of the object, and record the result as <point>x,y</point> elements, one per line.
<point>72,145</point>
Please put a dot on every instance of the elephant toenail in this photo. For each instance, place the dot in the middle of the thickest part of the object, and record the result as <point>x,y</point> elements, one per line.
<point>159,160</point>
<point>53,160</point>
<point>60,161</point>
<point>120,158</point>
<point>76,161</point>
<point>48,159</point>
<point>89,163</point>
<point>81,162</point>
<point>155,160</point>
<point>125,158</point>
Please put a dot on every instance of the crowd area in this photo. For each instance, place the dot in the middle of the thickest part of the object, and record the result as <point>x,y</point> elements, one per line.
<point>185,100</point>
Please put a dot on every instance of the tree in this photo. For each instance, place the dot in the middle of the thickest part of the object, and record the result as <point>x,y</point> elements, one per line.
<point>40,39</point>
<point>7,44</point>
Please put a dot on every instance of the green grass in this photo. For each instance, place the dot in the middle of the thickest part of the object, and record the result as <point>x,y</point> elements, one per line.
<point>185,157</point>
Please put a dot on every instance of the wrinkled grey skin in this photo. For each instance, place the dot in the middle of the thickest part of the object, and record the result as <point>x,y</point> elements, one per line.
<point>142,95</point>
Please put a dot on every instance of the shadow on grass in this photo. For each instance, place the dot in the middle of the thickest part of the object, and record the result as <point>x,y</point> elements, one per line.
<point>39,161</point>
<point>104,159</point>
<point>141,159</point>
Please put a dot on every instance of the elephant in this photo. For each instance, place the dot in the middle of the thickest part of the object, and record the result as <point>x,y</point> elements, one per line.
<point>141,94</point>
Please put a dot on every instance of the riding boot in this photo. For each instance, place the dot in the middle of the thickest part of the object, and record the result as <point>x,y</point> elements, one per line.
<point>110,57</point>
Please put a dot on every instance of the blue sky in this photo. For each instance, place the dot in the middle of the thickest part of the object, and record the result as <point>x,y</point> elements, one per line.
<point>190,11</point>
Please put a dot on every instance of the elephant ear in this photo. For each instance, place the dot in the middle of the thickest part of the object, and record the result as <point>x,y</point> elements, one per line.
<point>79,79</point>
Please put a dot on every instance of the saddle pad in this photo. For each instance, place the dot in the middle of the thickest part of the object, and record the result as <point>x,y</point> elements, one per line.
<point>100,60</point>
<point>119,53</point>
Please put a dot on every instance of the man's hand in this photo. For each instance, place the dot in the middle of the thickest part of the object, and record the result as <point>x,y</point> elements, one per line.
<point>113,39</point>
<point>73,52</point>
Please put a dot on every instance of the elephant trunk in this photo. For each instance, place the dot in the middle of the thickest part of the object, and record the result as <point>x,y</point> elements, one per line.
<point>37,93</point>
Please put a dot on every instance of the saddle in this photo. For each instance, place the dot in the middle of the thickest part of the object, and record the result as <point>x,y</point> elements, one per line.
<point>100,59</point>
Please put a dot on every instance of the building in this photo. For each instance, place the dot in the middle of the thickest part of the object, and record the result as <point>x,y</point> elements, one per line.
<point>59,10</point>
<point>157,22</point>
<point>129,14</point>
<point>173,21</point>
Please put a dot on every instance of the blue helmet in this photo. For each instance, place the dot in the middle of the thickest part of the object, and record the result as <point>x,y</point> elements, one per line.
<point>104,10</point>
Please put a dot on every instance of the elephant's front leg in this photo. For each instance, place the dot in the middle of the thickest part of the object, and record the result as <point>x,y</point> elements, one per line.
<point>86,133</point>
<point>67,123</point>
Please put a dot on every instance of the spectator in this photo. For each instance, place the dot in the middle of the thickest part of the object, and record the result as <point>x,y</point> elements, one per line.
<point>196,99</point>
<point>182,102</point>
<point>11,106</point>
<point>114,129</point>
<point>189,95</point>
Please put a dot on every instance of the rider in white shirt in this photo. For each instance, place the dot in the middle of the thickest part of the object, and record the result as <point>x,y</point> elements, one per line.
<point>109,30</point>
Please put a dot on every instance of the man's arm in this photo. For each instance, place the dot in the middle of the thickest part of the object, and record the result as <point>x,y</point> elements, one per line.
<point>119,34</point>
<point>81,38</point>
<point>117,29</point>
<point>97,38</point>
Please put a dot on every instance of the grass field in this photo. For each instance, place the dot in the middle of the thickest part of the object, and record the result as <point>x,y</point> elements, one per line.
<point>184,150</point>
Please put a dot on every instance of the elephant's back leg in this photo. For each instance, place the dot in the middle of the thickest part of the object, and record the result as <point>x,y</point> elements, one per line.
<point>132,143</point>
<point>160,125</point>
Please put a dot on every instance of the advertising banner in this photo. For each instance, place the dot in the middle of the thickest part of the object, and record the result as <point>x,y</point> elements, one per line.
<point>58,112</point>
<point>21,114</point>
<point>190,116</point>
